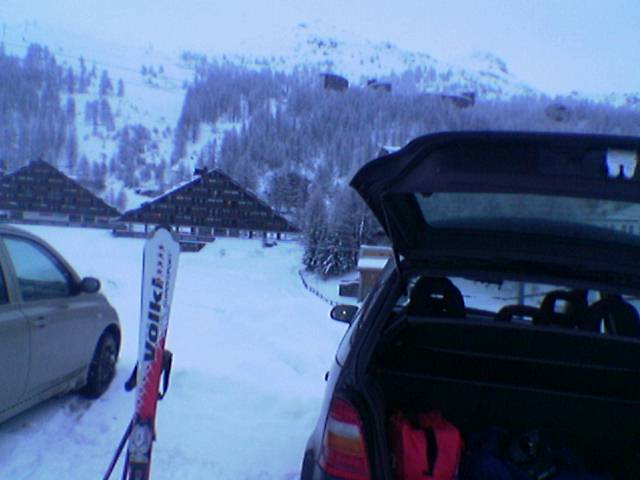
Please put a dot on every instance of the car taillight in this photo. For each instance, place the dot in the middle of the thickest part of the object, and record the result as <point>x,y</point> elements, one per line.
<point>344,454</point>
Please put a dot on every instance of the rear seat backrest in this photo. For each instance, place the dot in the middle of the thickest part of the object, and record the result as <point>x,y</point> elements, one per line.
<point>574,312</point>
<point>619,317</point>
<point>537,316</point>
<point>437,297</point>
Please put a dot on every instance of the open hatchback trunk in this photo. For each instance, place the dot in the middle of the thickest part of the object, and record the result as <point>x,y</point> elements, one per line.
<point>519,259</point>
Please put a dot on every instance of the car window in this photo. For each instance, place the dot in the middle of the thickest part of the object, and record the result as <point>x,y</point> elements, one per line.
<point>4,297</point>
<point>40,275</point>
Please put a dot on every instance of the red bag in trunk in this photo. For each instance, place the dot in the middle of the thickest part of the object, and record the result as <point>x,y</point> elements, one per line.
<point>430,450</point>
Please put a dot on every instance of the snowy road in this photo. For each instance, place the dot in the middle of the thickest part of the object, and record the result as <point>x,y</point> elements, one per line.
<point>250,345</point>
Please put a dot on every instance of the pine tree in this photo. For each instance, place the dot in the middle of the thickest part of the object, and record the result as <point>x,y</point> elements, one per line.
<point>98,176</point>
<point>71,150</point>
<point>121,200</point>
<point>70,111</point>
<point>335,256</point>
<point>106,117</point>
<point>83,81</point>
<point>70,81</point>
<point>120,88</point>
<point>83,170</point>
<point>106,87</point>
<point>315,230</point>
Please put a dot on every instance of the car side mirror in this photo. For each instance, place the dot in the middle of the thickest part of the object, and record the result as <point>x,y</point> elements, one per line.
<point>90,285</point>
<point>344,313</point>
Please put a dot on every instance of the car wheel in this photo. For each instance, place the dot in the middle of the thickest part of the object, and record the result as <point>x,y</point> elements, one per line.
<point>103,366</point>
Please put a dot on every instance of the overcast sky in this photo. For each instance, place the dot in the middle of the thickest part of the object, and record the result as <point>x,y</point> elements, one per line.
<point>592,46</point>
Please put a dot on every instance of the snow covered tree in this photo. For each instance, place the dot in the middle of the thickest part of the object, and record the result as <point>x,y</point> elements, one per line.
<point>121,200</point>
<point>106,87</point>
<point>336,255</point>
<point>71,150</point>
<point>106,117</point>
<point>83,170</point>
<point>70,110</point>
<point>98,176</point>
<point>288,191</point>
<point>83,79</point>
<point>70,81</point>
<point>315,230</point>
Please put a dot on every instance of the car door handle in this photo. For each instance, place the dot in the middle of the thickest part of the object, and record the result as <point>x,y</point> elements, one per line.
<point>40,322</point>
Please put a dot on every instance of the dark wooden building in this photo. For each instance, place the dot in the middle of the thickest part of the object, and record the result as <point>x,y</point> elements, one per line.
<point>210,205</point>
<point>374,84</point>
<point>335,82</point>
<point>464,100</point>
<point>39,193</point>
<point>558,112</point>
<point>371,263</point>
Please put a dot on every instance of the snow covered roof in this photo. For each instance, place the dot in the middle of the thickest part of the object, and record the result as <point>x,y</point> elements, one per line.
<point>40,187</point>
<point>372,263</point>
<point>211,200</point>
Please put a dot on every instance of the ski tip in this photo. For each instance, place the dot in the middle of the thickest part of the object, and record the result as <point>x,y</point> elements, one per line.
<point>166,228</point>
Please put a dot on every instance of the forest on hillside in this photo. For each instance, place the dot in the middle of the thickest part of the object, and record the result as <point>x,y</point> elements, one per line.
<point>280,134</point>
<point>38,114</point>
<point>298,144</point>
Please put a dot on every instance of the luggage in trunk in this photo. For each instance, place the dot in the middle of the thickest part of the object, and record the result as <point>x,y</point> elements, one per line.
<point>578,389</point>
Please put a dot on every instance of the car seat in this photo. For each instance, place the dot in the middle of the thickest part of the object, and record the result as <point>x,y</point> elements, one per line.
<point>573,313</point>
<point>537,316</point>
<point>436,296</point>
<point>619,317</point>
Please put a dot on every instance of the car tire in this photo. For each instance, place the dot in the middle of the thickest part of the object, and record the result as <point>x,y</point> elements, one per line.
<point>103,366</point>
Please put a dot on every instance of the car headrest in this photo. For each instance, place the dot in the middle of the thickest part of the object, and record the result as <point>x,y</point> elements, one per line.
<point>537,316</point>
<point>619,317</point>
<point>574,311</point>
<point>436,296</point>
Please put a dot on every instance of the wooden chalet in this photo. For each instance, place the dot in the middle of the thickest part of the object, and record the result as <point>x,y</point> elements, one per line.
<point>335,82</point>
<point>371,262</point>
<point>558,112</point>
<point>38,193</point>
<point>209,206</point>
<point>374,84</point>
<point>464,100</point>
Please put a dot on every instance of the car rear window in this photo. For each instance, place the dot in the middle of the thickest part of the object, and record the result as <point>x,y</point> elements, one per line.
<point>581,217</point>
<point>545,304</point>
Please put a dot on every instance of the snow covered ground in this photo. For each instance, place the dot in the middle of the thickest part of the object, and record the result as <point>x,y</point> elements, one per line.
<point>250,346</point>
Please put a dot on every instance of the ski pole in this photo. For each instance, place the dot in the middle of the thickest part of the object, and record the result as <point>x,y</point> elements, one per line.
<point>119,450</point>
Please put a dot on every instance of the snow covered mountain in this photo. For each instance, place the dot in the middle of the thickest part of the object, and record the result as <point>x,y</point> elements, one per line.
<point>148,91</point>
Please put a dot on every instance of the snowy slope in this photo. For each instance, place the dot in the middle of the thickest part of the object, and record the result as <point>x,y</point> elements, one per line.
<point>151,100</point>
<point>250,345</point>
<point>155,81</point>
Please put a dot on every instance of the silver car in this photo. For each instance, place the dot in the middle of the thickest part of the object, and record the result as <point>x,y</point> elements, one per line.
<point>57,333</point>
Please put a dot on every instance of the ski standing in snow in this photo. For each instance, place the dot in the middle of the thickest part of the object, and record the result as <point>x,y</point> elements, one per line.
<point>160,264</point>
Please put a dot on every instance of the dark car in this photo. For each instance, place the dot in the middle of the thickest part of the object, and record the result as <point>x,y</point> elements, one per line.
<point>509,303</point>
<point>57,333</point>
